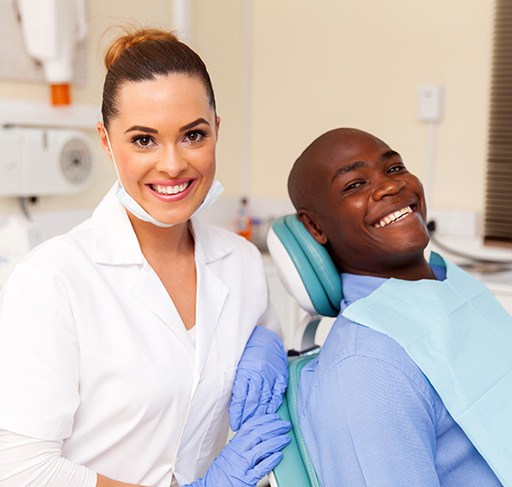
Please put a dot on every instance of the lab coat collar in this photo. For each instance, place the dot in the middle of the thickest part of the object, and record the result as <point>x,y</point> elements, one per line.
<point>115,242</point>
<point>212,292</point>
<point>212,247</point>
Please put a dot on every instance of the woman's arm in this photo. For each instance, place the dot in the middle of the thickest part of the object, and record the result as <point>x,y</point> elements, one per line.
<point>106,482</point>
<point>30,461</point>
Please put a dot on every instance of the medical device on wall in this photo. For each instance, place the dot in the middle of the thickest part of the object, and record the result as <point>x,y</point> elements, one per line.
<point>51,29</point>
<point>39,161</point>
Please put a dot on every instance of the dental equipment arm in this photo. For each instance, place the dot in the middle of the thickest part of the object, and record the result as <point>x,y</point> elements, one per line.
<point>261,377</point>
<point>50,30</point>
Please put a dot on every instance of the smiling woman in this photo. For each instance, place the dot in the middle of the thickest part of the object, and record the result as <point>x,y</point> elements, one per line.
<point>142,320</point>
<point>163,145</point>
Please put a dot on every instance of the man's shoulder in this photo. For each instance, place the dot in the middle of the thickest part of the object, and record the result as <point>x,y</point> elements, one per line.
<point>353,352</point>
<point>348,339</point>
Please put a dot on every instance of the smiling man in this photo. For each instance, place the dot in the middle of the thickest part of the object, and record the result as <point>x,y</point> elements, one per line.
<point>368,413</point>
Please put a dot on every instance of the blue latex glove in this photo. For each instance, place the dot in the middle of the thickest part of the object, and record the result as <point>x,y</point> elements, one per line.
<point>252,453</point>
<point>261,377</point>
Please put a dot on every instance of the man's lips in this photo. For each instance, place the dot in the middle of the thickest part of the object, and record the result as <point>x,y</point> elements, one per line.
<point>394,216</point>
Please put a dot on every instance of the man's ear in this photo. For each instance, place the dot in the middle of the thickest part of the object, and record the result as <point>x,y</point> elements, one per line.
<point>312,226</point>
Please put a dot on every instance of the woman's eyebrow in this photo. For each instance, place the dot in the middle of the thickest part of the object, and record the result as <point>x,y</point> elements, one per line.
<point>193,124</point>
<point>140,128</point>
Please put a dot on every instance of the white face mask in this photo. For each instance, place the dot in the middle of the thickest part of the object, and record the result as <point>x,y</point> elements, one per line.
<point>135,209</point>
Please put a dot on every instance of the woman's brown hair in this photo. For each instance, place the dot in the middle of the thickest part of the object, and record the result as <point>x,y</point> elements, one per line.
<point>144,55</point>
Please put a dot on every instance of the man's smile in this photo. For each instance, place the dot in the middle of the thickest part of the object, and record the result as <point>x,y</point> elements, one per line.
<point>393,217</point>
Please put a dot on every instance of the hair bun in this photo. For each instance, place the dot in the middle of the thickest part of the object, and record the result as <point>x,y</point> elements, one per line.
<point>132,38</point>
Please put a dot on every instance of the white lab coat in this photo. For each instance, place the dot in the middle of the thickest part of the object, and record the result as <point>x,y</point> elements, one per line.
<point>93,351</point>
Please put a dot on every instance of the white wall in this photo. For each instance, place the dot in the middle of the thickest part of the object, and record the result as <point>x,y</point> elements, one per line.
<point>328,63</point>
<point>318,65</point>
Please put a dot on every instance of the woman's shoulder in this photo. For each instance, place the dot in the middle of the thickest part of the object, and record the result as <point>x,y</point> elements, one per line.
<point>218,239</point>
<point>60,250</point>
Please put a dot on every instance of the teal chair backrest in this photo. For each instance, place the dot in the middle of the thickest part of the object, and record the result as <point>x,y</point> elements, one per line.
<point>296,468</point>
<point>305,265</point>
<point>308,273</point>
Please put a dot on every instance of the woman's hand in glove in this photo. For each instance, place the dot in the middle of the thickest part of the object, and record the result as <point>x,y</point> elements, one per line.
<point>252,453</point>
<point>261,377</point>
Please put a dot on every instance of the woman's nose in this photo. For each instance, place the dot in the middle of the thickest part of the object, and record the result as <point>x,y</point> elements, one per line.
<point>388,186</point>
<point>171,161</point>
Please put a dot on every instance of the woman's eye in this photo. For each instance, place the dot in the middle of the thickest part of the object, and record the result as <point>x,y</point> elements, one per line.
<point>142,140</point>
<point>195,136</point>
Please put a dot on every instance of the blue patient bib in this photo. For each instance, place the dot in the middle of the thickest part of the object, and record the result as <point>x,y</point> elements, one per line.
<point>461,338</point>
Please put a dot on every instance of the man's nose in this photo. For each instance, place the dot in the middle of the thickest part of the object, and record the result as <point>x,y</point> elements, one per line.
<point>388,186</point>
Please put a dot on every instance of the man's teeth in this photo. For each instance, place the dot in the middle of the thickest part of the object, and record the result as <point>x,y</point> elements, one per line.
<point>393,217</point>
<point>169,189</point>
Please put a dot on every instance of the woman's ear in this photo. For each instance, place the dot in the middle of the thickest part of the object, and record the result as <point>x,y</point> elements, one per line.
<point>312,226</point>
<point>102,133</point>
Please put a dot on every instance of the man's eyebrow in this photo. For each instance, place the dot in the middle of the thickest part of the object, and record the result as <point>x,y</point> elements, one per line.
<point>389,155</point>
<point>141,128</point>
<point>348,168</point>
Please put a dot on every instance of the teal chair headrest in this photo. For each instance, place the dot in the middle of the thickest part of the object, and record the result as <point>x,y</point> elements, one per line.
<point>305,267</point>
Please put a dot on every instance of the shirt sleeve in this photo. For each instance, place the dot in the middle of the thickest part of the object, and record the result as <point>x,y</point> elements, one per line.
<point>29,461</point>
<point>369,423</point>
<point>39,359</point>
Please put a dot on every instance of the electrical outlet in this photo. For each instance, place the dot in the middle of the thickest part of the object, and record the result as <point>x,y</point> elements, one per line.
<point>430,103</point>
<point>456,223</point>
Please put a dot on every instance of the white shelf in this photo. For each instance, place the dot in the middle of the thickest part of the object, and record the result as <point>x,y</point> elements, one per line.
<point>39,114</point>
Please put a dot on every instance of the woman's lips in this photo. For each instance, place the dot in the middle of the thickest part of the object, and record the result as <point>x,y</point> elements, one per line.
<point>171,191</point>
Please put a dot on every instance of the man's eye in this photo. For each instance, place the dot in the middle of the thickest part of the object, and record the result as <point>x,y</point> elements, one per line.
<point>396,168</point>
<point>353,185</point>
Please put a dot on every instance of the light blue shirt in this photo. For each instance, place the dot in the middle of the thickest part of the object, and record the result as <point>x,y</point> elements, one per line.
<point>371,418</point>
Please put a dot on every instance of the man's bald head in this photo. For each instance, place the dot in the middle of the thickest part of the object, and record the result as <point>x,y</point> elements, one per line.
<point>355,196</point>
<point>310,170</point>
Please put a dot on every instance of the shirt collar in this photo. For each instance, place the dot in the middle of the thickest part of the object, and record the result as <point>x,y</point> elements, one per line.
<point>358,286</point>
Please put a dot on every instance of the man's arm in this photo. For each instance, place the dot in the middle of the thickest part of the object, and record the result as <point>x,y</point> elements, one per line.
<point>368,423</point>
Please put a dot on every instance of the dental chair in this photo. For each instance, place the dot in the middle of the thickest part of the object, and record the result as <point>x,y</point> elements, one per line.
<point>309,275</point>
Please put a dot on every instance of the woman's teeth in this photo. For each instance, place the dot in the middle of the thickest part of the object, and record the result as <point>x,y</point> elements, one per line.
<point>393,217</point>
<point>170,189</point>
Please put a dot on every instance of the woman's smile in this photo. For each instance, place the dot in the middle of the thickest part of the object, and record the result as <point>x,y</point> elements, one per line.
<point>171,188</point>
